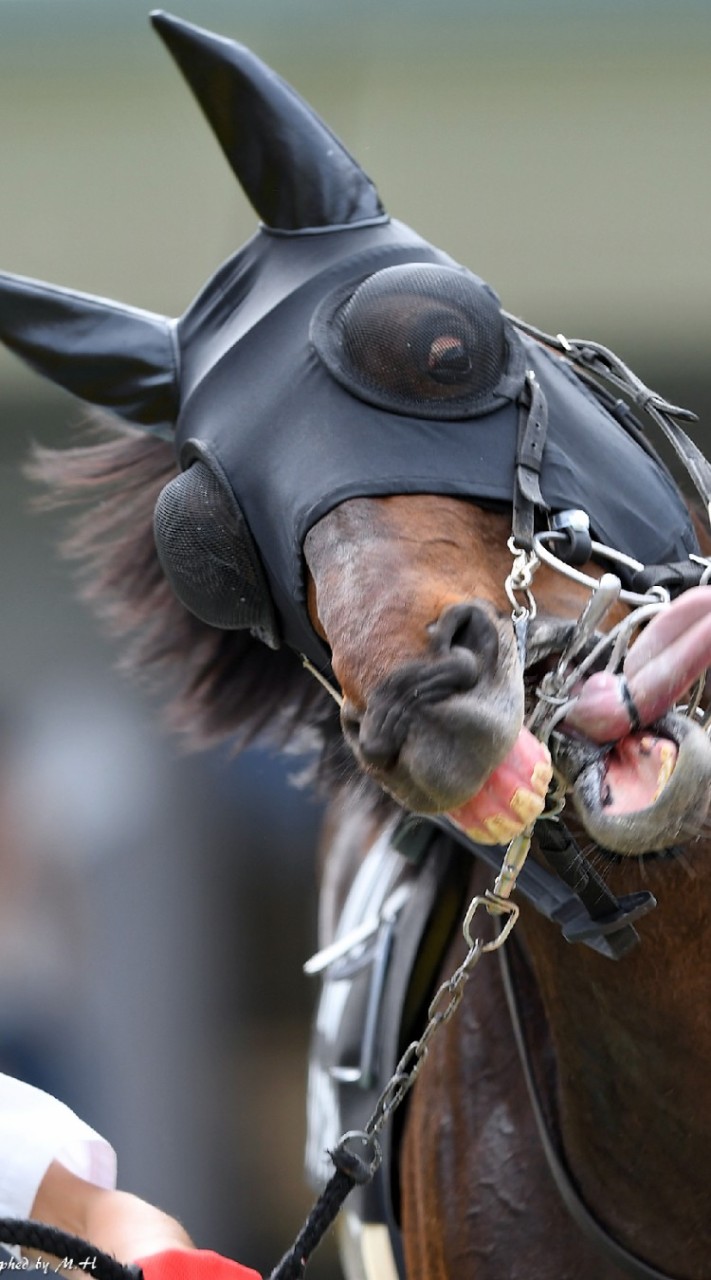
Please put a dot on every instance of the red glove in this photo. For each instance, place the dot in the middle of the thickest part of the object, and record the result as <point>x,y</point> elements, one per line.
<point>193,1264</point>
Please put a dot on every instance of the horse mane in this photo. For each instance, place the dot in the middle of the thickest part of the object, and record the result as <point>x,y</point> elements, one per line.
<point>217,685</point>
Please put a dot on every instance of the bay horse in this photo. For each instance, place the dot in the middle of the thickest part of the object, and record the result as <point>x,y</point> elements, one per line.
<point>319,469</point>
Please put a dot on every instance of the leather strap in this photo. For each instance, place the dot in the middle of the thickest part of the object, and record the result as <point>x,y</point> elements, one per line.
<point>594,358</point>
<point>675,577</point>
<point>578,1210</point>
<point>532,430</point>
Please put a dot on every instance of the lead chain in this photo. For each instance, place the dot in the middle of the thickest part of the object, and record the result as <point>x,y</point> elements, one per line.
<point>448,996</point>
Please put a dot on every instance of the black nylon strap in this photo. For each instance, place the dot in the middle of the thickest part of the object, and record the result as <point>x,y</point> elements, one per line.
<point>675,577</point>
<point>574,898</point>
<point>612,914</point>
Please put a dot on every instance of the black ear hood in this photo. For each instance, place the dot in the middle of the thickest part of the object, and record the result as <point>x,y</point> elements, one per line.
<point>336,355</point>
<point>283,413</point>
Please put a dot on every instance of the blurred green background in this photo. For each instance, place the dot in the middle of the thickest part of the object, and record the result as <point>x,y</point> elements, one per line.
<point>155,909</point>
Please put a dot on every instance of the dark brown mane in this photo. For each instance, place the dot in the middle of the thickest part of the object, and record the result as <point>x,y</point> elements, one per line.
<point>220,684</point>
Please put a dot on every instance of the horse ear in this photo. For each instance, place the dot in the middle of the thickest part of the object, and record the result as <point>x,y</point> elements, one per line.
<point>117,357</point>
<point>294,171</point>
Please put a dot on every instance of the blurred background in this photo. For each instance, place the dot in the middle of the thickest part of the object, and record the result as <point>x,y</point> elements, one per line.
<point>155,909</point>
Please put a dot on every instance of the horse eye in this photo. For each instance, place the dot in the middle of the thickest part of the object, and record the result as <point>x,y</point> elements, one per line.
<point>448,359</point>
<point>419,338</point>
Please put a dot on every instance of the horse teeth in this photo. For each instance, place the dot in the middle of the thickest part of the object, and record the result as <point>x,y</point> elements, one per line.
<point>527,804</point>
<point>502,829</point>
<point>541,777</point>
<point>667,757</point>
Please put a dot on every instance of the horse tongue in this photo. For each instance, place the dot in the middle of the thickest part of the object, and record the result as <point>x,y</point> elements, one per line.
<point>512,797</point>
<point>673,651</point>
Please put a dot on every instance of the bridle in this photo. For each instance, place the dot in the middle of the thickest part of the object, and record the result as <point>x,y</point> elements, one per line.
<point>588,1224</point>
<point>572,894</point>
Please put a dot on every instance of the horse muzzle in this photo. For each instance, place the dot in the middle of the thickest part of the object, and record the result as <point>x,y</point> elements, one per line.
<point>434,731</point>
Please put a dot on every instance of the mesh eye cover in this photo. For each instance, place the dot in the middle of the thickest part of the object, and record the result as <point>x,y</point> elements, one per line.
<point>208,555</point>
<point>425,340</point>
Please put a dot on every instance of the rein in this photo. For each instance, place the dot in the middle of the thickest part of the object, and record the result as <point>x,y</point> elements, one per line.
<point>72,1252</point>
<point>578,1210</point>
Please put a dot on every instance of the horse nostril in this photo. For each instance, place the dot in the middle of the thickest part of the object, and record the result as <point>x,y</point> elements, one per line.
<point>467,626</point>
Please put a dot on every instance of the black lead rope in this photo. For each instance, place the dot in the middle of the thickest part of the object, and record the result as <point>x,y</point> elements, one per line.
<point>72,1253</point>
<point>322,1215</point>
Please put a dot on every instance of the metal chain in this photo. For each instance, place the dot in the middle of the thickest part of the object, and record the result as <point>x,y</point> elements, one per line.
<point>448,997</point>
<point>359,1166</point>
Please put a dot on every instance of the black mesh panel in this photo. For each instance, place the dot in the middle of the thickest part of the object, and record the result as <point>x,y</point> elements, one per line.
<point>208,556</point>
<point>424,340</point>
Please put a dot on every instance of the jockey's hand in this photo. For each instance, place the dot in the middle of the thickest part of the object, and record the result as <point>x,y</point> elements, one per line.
<point>129,1228</point>
<point>115,1221</point>
<point>198,1264</point>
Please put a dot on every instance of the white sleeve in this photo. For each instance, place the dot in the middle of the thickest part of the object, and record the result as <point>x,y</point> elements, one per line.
<point>36,1129</point>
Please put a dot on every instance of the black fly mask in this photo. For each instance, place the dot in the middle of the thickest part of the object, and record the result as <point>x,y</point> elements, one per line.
<point>336,355</point>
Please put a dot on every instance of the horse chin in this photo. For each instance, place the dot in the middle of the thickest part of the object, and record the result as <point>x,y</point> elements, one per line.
<point>648,792</point>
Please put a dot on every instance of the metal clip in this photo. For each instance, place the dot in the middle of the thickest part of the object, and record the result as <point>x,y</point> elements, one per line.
<point>514,859</point>
<point>604,595</point>
<point>520,580</point>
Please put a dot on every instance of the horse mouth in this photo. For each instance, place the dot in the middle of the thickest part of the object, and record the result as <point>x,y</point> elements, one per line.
<point>440,742</point>
<point>636,772</point>
<point>647,792</point>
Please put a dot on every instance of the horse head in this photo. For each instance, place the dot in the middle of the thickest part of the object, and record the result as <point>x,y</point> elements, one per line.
<point>354,416</point>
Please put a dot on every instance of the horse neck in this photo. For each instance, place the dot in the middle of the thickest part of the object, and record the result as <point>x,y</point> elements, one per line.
<point>632,1044</point>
